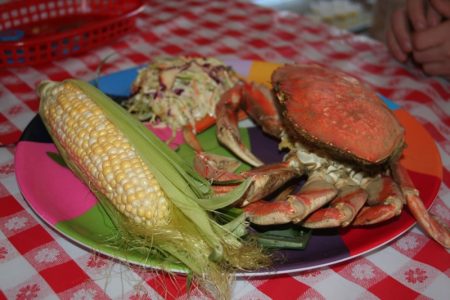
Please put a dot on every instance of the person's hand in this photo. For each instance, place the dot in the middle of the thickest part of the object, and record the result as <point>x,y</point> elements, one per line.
<point>431,46</point>
<point>416,15</point>
<point>421,30</point>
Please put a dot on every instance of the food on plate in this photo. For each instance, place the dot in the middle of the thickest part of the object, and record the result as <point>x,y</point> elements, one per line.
<point>339,134</point>
<point>159,197</point>
<point>151,193</point>
<point>179,91</point>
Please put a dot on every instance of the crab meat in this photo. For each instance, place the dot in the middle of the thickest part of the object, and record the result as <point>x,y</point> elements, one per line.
<point>340,135</point>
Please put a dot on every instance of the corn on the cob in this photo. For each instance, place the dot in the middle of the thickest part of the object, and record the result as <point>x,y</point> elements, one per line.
<point>104,155</point>
<point>125,164</point>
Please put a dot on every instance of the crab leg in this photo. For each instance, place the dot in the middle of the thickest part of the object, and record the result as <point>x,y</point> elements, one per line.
<point>257,102</point>
<point>316,192</point>
<point>191,139</point>
<point>190,133</point>
<point>438,231</point>
<point>385,201</point>
<point>342,210</point>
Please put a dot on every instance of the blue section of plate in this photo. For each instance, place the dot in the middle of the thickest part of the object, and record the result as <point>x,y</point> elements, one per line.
<point>118,84</point>
<point>389,103</point>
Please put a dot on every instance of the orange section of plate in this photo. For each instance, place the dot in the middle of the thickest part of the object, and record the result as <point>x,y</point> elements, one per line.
<point>421,154</point>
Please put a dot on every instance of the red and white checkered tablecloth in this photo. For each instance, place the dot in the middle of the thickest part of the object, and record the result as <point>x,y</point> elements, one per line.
<point>38,263</point>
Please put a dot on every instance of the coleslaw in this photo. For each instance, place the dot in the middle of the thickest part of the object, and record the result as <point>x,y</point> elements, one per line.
<point>179,91</point>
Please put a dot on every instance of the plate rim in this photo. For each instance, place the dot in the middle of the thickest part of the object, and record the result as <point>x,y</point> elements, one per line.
<point>183,270</point>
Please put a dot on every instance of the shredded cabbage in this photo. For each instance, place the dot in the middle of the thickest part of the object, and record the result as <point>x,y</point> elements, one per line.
<point>179,91</point>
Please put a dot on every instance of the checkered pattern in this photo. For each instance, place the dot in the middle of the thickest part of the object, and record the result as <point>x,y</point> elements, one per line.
<point>36,262</point>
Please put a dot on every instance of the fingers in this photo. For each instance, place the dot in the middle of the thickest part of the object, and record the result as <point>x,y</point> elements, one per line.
<point>434,54</point>
<point>394,47</point>
<point>433,17</point>
<point>431,37</point>
<point>442,7</point>
<point>437,69</point>
<point>401,30</point>
<point>416,12</point>
<point>435,60</point>
<point>422,29</point>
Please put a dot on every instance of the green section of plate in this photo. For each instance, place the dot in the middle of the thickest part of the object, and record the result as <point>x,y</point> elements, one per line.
<point>93,229</point>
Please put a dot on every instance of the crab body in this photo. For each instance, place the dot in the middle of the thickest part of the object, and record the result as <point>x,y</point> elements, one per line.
<point>340,135</point>
<point>334,111</point>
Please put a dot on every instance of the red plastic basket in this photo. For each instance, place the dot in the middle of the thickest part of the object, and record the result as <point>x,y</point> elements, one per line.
<point>37,31</point>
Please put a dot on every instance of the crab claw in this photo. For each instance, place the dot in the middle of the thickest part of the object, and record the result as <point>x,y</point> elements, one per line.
<point>437,230</point>
<point>268,179</point>
<point>265,179</point>
<point>216,167</point>
<point>385,201</point>
<point>257,102</point>
<point>314,194</point>
<point>342,210</point>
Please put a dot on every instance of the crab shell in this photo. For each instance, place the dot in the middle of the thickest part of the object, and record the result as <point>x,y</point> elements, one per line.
<point>331,110</point>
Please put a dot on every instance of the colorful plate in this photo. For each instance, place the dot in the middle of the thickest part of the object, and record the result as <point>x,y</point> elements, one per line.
<point>66,205</point>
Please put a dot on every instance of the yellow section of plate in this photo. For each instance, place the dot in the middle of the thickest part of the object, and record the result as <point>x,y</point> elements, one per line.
<point>261,71</point>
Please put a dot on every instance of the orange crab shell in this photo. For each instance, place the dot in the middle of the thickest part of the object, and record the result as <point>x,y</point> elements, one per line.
<point>336,111</point>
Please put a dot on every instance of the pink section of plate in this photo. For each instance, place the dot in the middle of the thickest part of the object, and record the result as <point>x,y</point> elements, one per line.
<point>167,134</point>
<point>60,199</point>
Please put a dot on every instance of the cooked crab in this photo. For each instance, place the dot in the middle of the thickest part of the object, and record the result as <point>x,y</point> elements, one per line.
<point>339,133</point>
